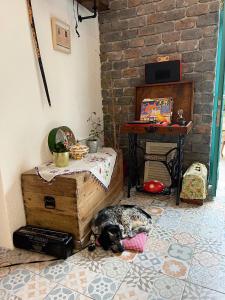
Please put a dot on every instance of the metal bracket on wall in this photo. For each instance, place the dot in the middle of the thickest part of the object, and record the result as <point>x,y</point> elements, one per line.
<point>94,15</point>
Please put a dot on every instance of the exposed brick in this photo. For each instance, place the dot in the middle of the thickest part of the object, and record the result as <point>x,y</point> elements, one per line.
<point>210,31</point>
<point>119,25</point>
<point>208,43</point>
<point>114,55</point>
<point>118,83</point>
<point>150,50</point>
<point>106,27</point>
<point>187,46</point>
<point>153,40</point>
<point>137,62</point>
<point>106,47</point>
<point>106,66</point>
<point>118,92</point>
<point>142,30</point>
<point>209,76</point>
<point>176,14</point>
<point>129,34</point>
<point>120,65</point>
<point>136,22</point>
<point>214,6</point>
<point>188,68</point>
<point>139,42</point>
<point>129,91</point>
<point>186,3</point>
<point>205,129</point>
<point>197,10</point>
<point>130,73</point>
<point>156,18</point>
<point>207,119</point>
<point>202,148</point>
<point>209,54</point>
<point>118,4</point>
<point>131,53</point>
<point>166,5</point>
<point>205,66</point>
<point>164,27</point>
<point>210,19</point>
<point>185,24</point>
<point>111,37</point>
<point>192,56</point>
<point>121,45</point>
<point>207,86</point>
<point>167,48</point>
<point>203,109</point>
<point>128,13</point>
<point>191,34</point>
<point>146,9</point>
<point>132,3</point>
<point>147,30</point>
<point>171,37</point>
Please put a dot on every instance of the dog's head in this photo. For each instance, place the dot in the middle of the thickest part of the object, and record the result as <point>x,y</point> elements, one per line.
<point>110,238</point>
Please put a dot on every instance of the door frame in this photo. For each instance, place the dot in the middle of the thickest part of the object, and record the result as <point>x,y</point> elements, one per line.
<point>217,105</point>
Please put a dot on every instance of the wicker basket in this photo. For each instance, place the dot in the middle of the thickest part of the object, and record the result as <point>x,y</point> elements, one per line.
<point>78,151</point>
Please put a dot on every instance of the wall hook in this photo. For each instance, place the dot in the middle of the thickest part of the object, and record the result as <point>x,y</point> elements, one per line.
<point>94,15</point>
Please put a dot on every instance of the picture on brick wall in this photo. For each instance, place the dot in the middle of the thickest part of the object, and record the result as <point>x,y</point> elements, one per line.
<point>157,110</point>
<point>61,36</point>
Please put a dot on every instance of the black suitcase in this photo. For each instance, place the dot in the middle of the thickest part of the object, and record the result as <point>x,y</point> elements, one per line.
<point>55,243</point>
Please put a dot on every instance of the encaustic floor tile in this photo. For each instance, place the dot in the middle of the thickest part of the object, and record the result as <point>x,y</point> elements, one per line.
<point>146,284</point>
<point>91,284</point>
<point>36,288</point>
<point>172,259</point>
<point>61,292</point>
<point>196,292</point>
<point>208,270</point>
<point>15,280</point>
<point>56,270</point>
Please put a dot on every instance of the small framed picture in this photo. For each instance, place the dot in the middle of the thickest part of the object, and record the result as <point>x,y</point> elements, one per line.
<point>61,35</point>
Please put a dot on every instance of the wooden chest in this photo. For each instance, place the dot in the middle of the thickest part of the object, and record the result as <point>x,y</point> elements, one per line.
<point>69,203</point>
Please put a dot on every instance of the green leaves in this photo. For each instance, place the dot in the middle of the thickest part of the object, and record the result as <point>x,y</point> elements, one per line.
<point>60,147</point>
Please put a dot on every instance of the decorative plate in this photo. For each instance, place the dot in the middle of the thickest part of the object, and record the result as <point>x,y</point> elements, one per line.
<point>61,134</point>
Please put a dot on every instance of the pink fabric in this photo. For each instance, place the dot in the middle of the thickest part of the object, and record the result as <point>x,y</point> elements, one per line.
<point>136,243</point>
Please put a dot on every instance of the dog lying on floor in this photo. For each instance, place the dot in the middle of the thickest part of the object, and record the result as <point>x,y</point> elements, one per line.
<point>114,223</point>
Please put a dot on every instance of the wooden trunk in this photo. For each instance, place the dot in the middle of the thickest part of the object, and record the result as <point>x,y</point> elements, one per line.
<point>77,198</point>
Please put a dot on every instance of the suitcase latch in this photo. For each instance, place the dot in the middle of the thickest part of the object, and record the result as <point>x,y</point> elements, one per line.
<point>49,202</point>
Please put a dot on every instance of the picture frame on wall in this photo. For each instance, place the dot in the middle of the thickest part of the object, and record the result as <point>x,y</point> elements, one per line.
<point>61,38</point>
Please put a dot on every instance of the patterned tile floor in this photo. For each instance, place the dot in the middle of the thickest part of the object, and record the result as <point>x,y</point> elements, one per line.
<point>184,259</point>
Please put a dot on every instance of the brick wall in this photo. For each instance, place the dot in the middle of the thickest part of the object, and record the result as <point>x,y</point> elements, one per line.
<point>135,32</point>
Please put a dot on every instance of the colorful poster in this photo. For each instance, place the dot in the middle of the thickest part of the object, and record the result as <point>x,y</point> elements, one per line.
<point>158,109</point>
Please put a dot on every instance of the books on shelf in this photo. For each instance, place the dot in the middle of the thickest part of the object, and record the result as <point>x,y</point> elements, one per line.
<point>158,109</point>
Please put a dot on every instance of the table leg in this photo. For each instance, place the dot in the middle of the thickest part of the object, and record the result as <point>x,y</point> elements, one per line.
<point>180,146</point>
<point>132,162</point>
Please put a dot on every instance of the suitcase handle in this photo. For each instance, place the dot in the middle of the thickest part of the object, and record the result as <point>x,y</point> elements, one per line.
<point>49,202</point>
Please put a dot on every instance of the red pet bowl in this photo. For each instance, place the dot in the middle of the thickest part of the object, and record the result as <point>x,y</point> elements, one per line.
<point>154,186</point>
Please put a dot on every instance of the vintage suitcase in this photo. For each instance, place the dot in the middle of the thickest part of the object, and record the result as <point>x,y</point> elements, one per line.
<point>194,186</point>
<point>69,203</point>
<point>55,243</point>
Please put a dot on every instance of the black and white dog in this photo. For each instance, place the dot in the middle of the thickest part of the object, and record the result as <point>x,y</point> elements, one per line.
<point>114,223</point>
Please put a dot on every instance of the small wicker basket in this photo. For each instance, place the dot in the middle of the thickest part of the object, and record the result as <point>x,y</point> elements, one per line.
<point>78,151</point>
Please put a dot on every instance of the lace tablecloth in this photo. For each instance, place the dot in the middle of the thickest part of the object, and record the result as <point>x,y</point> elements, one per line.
<point>100,165</point>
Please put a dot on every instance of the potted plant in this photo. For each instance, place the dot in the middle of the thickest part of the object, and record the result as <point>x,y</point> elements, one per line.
<point>60,155</point>
<point>96,132</point>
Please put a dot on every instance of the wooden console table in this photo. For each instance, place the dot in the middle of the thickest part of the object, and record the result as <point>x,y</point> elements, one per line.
<point>182,94</point>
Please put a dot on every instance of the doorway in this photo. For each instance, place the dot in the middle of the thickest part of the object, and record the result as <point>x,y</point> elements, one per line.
<point>221,178</point>
<point>216,159</point>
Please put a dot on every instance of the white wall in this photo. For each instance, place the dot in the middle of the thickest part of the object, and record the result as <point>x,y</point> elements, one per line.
<point>25,118</point>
